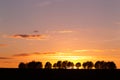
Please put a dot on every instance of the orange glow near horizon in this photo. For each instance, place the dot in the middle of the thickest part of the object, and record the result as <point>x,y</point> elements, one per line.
<point>62,56</point>
<point>53,59</point>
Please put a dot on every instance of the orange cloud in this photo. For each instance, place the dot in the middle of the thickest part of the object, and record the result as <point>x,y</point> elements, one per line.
<point>49,53</point>
<point>96,51</point>
<point>29,37</point>
<point>81,50</point>
<point>22,54</point>
<point>30,54</point>
<point>5,58</point>
<point>65,31</point>
<point>92,50</point>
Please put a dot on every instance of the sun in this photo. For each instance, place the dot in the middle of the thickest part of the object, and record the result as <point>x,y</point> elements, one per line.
<point>72,58</point>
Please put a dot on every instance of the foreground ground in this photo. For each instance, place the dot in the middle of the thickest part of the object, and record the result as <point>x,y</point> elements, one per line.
<point>58,74</point>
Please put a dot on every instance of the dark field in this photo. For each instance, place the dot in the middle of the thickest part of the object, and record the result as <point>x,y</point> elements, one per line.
<point>58,74</point>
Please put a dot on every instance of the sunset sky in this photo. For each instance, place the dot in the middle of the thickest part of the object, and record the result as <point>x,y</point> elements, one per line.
<point>52,30</point>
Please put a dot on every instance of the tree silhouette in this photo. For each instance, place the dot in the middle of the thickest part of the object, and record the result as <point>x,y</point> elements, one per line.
<point>48,65</point>
<point>84,65</point>
<point>105,65</point>
<point>110,65</point>
<point>31,65</point>
<point>64,64</point>
<point>59,64</point>
<point>100,65</point>
<point>22,65</point>
<point>78,64</point>
<point>55,65</point>
<point>88,65</point>
<point>38,65</point>
<point>70,65</point>
<point>34,65</point>
<point>97,65</point>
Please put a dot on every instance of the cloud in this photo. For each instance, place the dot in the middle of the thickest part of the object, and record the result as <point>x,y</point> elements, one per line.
<point>110,40</point>
<point>49,53</point>
<point>29,36</point>
<point>35,31</point>
<point>48,2</point>
<point>22,54</point>
<point>30,54</point>
<point>97,50</point>
<point>45,3</point>
<point>66,31</point>
<point>3,45</point>
<point>63,31</point>
<point>93,50</point>
<point>80,50</point>
<point>5,58</point>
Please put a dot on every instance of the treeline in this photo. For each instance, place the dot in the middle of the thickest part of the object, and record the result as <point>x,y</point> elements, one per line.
<point>68,65</point>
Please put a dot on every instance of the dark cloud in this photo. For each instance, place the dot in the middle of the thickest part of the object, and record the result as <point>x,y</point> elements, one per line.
<point>5,58</point>
<point>37,53</point>
<point>22,54</point>
<point>29,36</point>
<point>30,54</point>
<point>35,31</point>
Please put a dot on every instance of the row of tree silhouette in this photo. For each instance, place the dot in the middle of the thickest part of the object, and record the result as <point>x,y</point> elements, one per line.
<point>69,65</point>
